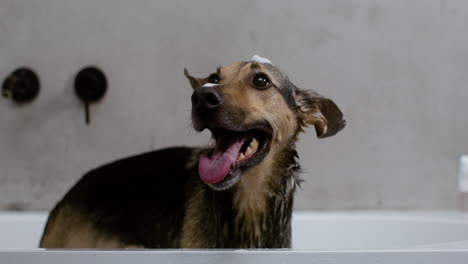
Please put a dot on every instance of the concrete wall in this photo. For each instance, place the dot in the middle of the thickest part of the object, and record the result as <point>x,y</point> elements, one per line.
<point>398,69</point>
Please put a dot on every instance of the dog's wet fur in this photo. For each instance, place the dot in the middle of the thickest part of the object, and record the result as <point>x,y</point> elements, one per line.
<point>158,199</point>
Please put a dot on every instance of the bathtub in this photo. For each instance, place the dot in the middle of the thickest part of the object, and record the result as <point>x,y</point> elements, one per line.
<point>318,237</point>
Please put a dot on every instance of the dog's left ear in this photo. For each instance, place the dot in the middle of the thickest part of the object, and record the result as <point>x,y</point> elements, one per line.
<point>319,111</point>
<point>195,82</point>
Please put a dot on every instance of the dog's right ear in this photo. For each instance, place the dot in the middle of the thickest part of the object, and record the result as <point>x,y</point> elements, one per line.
<point>195,82</point>
<point>320,112</point>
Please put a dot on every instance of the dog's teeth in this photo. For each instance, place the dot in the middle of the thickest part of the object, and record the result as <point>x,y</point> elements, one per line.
<point>249,151</point>
<point>254,144</point>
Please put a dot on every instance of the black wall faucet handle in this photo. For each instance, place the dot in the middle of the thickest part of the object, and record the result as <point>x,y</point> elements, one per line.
<point>22,86</point>
<point>90,87</point>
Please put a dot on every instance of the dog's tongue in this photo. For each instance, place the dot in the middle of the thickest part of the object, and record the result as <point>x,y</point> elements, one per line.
<point>215,169</point>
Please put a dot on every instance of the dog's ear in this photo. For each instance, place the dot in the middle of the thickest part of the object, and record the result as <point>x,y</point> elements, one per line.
<point>195,82</point>
<point>319,111</point>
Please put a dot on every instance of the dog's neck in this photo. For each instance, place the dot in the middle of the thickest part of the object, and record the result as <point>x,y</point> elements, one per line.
<point>255,213</point>
<point>264,198</point>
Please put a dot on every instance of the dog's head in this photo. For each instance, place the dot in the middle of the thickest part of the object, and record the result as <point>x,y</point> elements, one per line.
<point>253,111</point>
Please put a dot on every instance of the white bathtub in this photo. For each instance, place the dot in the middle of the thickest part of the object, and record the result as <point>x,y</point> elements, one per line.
<point>319,237</point>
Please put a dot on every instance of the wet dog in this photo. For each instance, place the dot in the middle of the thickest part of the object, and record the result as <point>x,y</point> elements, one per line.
<point>237,194</point>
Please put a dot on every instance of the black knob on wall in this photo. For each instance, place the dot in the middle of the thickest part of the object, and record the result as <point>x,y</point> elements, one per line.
<point>22,86</point>
<point>90,87</point>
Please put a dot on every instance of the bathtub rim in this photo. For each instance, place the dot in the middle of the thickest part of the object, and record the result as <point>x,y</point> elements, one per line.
<point>40,256</point>
<point>446,217</point>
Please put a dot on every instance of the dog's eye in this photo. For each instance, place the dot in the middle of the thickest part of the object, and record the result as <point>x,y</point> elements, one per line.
<point>260,81</point>
<point>214,78</point>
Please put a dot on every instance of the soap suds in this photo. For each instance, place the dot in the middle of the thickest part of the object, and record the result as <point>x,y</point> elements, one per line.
<point>210,85</point>
<point>260,59</point>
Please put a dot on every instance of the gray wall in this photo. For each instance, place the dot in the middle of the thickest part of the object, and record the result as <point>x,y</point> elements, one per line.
<point>398,69</point>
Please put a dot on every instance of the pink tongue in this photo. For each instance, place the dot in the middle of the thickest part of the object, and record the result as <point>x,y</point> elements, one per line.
<point>215,169</point>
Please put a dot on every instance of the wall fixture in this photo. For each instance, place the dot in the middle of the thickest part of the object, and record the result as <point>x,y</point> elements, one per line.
<point>90,87</point>
<point>21,86</point>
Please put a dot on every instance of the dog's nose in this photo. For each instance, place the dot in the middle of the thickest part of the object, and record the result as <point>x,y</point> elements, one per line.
<point>207,97</point>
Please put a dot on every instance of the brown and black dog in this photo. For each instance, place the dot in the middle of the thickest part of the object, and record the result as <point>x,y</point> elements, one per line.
<point>237,194</point>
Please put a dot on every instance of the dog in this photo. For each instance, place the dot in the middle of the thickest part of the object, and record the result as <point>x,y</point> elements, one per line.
<point>237,194</point>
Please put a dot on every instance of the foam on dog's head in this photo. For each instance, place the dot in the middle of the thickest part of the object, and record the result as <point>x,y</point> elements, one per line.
<point>260,59</point>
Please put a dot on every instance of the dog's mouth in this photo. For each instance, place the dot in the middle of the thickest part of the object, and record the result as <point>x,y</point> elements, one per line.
<point>235,153</point>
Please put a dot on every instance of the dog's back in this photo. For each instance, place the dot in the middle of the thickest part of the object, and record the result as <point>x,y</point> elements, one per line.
<point>119,204</point>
